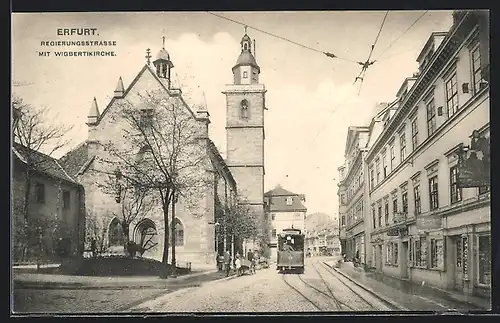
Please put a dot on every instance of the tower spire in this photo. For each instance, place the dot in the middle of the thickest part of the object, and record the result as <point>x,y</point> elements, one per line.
<point>246,29</point>
<point>163,42</point>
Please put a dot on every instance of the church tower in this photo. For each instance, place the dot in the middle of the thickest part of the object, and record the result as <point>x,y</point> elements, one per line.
<point>245,105</point>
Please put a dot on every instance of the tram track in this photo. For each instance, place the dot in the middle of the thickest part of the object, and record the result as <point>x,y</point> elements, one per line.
<point>343,281</point>
<point>313,303</point>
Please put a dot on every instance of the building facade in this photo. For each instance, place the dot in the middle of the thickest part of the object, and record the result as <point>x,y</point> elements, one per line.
<point>56,207</point>
<point>352,191</point>
<point>196,240</point>
<point>284,210</point>
<point>245,105</point>
<point>422,225</point>
<point>322,235</point>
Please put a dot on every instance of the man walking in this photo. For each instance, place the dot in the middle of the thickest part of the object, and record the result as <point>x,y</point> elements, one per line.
<point>227,262</point>
<point>250,259</point>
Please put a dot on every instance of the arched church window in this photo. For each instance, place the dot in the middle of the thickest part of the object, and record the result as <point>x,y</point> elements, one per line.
<point>179,233</point>
<point>245,74</point>
<point>244,109</point>
<point>245,46</point>
<point>116,236</point>
<point>146,235</point>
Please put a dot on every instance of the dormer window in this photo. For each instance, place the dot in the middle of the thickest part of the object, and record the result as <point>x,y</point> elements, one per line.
<point>245,46</point>
<point>289,201</point>
<point>244,109</point>
<point>245,74</point>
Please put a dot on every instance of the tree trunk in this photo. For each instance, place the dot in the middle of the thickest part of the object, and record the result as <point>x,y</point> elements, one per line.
<point>126,231</point>
<point>174,274</point>
<point>166,237</point>
<point>26,219</point>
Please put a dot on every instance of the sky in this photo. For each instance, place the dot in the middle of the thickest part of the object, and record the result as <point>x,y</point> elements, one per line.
<point>310,97</point>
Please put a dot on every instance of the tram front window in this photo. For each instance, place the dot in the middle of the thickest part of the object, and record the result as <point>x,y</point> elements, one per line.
<point>291,243</point>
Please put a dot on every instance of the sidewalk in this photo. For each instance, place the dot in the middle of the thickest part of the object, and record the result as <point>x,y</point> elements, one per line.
<point>411,296</point>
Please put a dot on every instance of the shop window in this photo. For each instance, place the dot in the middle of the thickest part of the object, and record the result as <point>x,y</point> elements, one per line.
<point>484,261</point>
<point>391,254</point>
<point>484,189</point>
<point>437,253</point>
<point>459,253</point>
<point>420,251</point>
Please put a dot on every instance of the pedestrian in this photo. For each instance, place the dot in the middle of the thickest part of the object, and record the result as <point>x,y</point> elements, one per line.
<point>250,259</point>
<point>237,264</point>
<point>357,257</point>
<point>255,260</point>
<point>93,247</point>
<point>227,262</point>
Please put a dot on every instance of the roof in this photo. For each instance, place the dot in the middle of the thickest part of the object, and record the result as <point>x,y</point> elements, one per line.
<point>171,92</point>
<point>430,41</point>
<point>245,59</point>
<point>279,191</point>
<point>74,160</point>
<point>216,157</point>
<point>163,54</point>
<point>277,200</point>
<point>43,163</point>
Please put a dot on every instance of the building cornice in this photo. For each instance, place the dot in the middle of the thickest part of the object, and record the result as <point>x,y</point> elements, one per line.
<point>443,56</point>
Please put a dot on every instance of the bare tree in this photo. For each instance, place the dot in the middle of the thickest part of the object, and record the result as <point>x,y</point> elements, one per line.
<point>35,132</point>
<point>161,151</point>
<point>238,221</point>
<point>135,201</point>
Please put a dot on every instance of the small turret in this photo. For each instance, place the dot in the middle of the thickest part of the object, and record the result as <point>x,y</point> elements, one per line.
<point>163,64</point>
<point>119,91</point>
<point>94,114</point>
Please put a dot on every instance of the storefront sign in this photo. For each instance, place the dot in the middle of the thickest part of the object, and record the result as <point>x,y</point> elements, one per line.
<point>429,222</point>
<point>474,163</point>
<point>398,232</point>
<point>393,233</point>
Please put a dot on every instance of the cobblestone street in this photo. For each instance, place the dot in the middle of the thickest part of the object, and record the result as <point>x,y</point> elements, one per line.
<point>318,289</point>
<point>97,300</point>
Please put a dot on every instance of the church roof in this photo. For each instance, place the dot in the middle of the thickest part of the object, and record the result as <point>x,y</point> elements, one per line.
<point>74,160</point>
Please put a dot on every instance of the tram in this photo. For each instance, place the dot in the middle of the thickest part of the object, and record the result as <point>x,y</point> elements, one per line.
<point>290,251</point>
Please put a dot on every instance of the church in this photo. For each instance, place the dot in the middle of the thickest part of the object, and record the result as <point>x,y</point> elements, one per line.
<point>240,176</point>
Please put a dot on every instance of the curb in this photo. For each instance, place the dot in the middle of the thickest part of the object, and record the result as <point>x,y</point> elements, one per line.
<point>161,284</point>
<point>392,303</point>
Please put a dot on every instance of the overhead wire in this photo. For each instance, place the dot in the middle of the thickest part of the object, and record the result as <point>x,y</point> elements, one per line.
<point>368,63</point>
<point>328,54</point>
<point>407,29</point>
<point>320,130</point>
